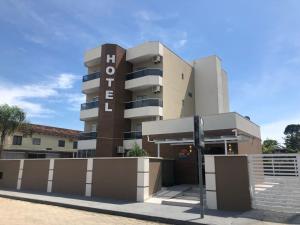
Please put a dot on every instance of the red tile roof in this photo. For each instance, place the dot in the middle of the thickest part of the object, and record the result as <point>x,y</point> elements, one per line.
<point>52,131</point>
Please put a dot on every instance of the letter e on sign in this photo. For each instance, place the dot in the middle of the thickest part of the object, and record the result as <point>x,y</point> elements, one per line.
<point>109,94</point>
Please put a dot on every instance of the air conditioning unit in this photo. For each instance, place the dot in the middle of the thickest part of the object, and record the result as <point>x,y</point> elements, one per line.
<point>156,59</point>
<point>120,150</point>
<point>156,89</point>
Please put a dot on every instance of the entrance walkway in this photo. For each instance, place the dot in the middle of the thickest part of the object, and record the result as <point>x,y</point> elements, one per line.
<point>158,213</point>
<point>179,195</point>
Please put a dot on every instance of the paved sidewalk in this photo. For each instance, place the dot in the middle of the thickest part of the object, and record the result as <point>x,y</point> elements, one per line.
<point>155,212</point>
<point>15,212</point>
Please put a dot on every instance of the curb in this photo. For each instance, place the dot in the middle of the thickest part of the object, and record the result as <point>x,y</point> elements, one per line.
<point>105,211</point>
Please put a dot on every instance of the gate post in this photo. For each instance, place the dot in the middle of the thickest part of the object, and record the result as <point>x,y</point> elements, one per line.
<point>210,177</point>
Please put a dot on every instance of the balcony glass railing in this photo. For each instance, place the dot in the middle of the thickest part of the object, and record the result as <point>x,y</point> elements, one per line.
<point>143,73</point>
<point>132,135</point>
<point>144,103</point>
<point>89,105</point>
<point>91,76</point>
<point>87,135</point>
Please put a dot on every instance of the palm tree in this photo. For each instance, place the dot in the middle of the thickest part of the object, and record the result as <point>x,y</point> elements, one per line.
<point>11,118</point>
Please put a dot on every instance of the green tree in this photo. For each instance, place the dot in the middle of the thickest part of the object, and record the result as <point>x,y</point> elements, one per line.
<point>292,137</point>
<point>136,151</point>
<point>11,118</point>
<point>269,146</point>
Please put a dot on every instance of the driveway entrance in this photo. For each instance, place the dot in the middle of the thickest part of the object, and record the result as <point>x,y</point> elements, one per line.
<point>275,182</point>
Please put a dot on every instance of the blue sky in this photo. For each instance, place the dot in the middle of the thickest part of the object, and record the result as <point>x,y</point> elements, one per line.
<point>42,45</point>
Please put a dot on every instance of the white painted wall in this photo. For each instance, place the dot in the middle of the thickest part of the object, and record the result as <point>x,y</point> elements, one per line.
<point>221,121</point>
<point>211,94</point>
<point>146,49</point>
<point>90,86</point>
<point>87,144</point>
<point>143,112</point>
<point>89,113</point>
<point>92,55</point>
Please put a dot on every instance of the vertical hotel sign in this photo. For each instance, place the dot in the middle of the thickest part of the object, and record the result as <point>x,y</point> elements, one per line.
<point>112,95</point>
<point>110,70</point>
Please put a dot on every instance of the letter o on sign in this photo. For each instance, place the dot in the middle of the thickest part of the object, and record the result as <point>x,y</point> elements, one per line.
<point>110,70</point>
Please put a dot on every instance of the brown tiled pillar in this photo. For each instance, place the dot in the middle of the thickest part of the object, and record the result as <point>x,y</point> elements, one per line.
<point>112,95</point>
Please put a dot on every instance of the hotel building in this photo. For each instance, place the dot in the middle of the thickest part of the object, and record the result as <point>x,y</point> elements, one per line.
<point>148,95</point>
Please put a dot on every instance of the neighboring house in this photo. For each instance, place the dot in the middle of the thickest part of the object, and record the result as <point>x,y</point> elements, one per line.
<point>150,91</point>
<point>39,141</point>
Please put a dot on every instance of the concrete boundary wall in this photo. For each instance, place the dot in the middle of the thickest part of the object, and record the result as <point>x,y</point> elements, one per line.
<point>133,179</point>
<point>227,182</point>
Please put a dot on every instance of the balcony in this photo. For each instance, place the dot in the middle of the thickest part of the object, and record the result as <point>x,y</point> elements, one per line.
<point>144,52</point>
<point>87,135</point>
<point>90,83</point>
<point>92,56</point>
<point>89,110</point>
<point>132,137</point>
<point>87,140</point>
<point>144,79</point>
<point>143,108</point>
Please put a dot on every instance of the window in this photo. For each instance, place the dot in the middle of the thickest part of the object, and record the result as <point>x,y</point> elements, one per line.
<point>1,175</point>
<point>17,140</point>
<point>94,127</point>
<point>182,76</point>
<point>141,97</point>
<point>36,141</point>
<point>61,143</point>
<point>48,148</point>
<point>190,94</point>
<point>75,145</point>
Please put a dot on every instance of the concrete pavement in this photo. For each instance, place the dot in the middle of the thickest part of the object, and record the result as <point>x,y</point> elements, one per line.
<point>158,213</point>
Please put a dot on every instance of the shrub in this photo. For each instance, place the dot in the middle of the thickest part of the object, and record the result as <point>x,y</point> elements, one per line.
<point>136,151</point>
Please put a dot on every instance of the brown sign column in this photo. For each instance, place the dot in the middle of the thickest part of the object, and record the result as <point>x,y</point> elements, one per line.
<point>112,95</point>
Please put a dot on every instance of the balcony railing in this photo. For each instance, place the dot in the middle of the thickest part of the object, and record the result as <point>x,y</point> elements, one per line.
<point>91,76</point>
<point>87,135</point>
<point>144,103</point>
<point>143,73</point>
<point>89,105</point>
<point>132,135</point>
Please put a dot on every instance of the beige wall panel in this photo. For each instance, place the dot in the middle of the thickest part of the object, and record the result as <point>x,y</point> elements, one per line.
<point>232,183</point>
<point>35,175</point>
<point>252,146</point>
<point>176,89</point>
<point>69,176</point>
<point>206,85</point>
<point>10,171</point>
<point>226,107</point>
<point>115,178</point>
<point>155,175</point>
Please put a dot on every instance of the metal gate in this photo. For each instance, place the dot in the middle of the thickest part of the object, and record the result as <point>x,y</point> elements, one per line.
<point>275,182</point>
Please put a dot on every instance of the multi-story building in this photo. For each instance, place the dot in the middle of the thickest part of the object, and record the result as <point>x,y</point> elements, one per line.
<point>148,94</point>
<point>39,141</point>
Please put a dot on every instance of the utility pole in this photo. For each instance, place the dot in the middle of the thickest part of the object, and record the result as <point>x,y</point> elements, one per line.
<point>199,145</point>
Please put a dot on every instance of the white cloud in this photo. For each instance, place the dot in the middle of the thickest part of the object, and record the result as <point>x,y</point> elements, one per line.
<point>29,96</point>
<point>66,80</point>
<point>274,130</point>
<point>75,100</point>
<point>150,27</point>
